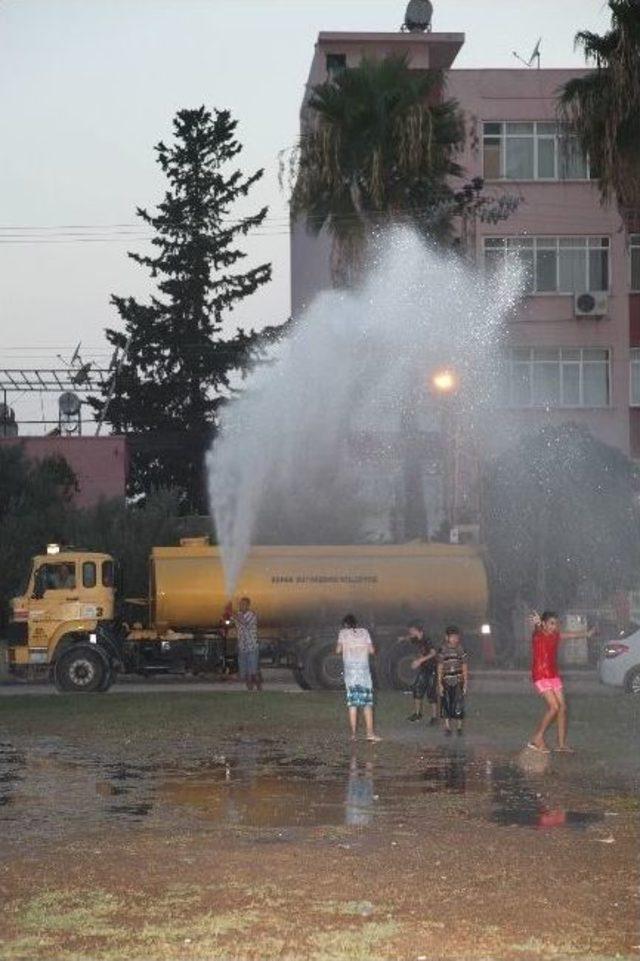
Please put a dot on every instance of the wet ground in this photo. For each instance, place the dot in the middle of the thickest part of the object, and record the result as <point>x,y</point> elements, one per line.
<point>245,826</point>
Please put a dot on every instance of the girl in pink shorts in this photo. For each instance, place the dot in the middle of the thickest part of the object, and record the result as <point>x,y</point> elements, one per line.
<point>546,680</point>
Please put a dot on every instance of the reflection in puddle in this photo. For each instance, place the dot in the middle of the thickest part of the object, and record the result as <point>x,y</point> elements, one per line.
<point>12,764</point>
<point>257,783</point>
<point>518,804</point>
<point>360,797</point>
<point>544,818</point>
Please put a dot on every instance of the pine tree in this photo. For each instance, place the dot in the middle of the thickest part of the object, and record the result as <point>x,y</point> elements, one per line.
<point>178,365</point>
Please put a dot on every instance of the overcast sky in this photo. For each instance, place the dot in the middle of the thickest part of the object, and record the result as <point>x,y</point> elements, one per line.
<point>89,86</point>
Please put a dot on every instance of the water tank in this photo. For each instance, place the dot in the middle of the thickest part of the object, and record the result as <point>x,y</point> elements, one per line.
<point>303,586</point>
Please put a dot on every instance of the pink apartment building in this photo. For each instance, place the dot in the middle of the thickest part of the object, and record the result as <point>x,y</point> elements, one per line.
<point>574,349</point>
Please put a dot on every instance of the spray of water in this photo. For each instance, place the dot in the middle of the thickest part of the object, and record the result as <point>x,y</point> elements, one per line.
<point>312,442</point>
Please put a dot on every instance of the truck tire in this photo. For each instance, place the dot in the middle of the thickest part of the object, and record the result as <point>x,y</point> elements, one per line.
<point>632,682</point>
<point>299,678</point>
<point>304,671</point>
<point>327,666</point>
<point>107,681</point>
<point>82,668</point>
<point>396,665</point>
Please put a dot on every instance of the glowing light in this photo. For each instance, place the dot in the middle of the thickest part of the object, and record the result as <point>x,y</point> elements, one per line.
<point>485,629</point>
<point>53,548</point>
<point>444,381</point>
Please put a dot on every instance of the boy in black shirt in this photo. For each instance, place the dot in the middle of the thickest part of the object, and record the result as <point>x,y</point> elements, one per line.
<point>424,683</point>
<point>453,676</point>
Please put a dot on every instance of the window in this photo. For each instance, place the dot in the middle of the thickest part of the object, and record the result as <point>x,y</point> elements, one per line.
<point>635,377</point>
<point>634,254</point>
<point>563,265</point>
<point>107,574</point>
<point>531,151</point>
<point>55,577</point>
<point>88,574</point>
<point>336,63</point>
<point>559,377</point>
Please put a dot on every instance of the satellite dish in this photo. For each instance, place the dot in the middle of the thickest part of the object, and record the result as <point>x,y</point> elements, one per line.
<point>82,374</point>
<point>69,404</point>
<point>418,17</point>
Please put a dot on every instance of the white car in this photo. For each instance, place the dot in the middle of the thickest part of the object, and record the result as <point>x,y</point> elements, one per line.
<point>619,663</point>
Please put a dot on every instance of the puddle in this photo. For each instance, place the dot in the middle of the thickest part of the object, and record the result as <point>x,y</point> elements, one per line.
<point>518,803</point>
<point>257,783</point>
<point>545,818</point>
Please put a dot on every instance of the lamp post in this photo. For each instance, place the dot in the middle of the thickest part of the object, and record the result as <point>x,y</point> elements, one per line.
<point>445,383</point>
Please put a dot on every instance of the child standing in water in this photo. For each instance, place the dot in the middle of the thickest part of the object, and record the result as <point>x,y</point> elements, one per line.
<point>425,683</point>
<point>355,645</point>
<point>453,677</point>
<point>547,680</point>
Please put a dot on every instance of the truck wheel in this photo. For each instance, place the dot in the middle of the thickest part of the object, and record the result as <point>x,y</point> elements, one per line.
<point>300,679</point>
<point>304,671</point>
<point>397,665</point>
<point>107,682</point>
<point>81,669</point>
<point>327,666</point>
<point>632,682</point>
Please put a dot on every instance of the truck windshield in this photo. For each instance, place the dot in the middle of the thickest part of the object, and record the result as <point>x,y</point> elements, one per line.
<point>23,585</point>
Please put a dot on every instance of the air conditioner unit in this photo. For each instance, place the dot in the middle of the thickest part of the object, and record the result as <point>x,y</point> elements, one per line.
<point>591,304</point>
<point>465,534</point>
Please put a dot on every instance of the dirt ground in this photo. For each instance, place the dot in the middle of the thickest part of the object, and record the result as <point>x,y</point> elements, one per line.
<point>170,825</point>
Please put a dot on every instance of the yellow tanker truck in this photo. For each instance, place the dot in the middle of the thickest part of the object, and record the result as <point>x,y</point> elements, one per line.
<point>71,622</point>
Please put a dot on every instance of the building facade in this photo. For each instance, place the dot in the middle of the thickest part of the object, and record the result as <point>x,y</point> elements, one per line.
<point>573,350</point>
<point>100,464</point>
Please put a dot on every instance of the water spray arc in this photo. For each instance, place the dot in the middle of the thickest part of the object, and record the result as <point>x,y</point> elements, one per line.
<point>317,435</point>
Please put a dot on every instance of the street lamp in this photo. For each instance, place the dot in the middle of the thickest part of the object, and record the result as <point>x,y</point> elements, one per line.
<point>444,381</point>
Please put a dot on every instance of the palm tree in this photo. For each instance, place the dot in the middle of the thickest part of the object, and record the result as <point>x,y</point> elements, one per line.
<point>378,146</point>
<point>603,106</point>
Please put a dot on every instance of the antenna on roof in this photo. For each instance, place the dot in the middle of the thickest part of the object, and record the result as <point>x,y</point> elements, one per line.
<point>534,58</point>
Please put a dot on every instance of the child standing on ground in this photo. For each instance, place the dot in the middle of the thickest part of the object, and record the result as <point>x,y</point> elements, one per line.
<point>546,678</point>
<point>355,645</point>
<point>453,678</point>
<point>425,683</point>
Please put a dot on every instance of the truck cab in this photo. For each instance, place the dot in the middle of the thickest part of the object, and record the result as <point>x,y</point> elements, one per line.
<point>61,623</point>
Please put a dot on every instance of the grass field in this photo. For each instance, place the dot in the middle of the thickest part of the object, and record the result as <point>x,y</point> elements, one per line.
<point>242,826</point>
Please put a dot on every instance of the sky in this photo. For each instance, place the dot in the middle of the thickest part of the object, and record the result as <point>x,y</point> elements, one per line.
<point>87,87</point>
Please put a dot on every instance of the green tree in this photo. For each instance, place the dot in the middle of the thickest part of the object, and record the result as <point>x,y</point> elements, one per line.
<point>129,531</point>
<point>603,106</point>
<point>561,515</point>
<point>379,146</point>
<point>178,363</point>
<point>35,508</point>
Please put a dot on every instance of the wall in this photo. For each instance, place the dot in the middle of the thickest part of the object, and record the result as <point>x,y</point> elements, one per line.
<point>99,463</point>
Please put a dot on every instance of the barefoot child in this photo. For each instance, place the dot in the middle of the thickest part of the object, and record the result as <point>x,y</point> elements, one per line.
<point>546,679</point>
<point>425,683</point>
<point>453,677</point>
<point>354,643</point>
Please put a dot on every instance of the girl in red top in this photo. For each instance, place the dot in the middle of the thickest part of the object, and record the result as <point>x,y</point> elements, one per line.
<point>546,680</point>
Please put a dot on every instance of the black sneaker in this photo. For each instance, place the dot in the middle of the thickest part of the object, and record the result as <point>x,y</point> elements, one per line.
<point>447,732</point>
<point>460,732</point>
<point>415,717</point>
<point>432,721</point>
